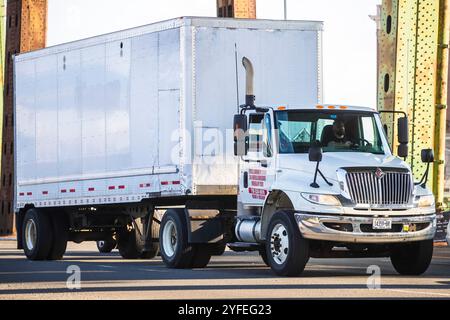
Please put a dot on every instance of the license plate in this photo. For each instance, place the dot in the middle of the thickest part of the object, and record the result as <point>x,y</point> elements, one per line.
<point>382,224</point>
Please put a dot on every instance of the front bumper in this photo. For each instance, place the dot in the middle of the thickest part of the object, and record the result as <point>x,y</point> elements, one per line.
<point>357,229</point>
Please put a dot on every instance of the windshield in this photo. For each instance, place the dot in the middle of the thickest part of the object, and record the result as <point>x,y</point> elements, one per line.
<point>336,131</point>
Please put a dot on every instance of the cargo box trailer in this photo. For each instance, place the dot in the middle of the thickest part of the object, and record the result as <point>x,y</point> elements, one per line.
<point>109,128</point>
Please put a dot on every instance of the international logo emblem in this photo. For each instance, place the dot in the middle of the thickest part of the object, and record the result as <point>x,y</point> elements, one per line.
<point>379,173</point>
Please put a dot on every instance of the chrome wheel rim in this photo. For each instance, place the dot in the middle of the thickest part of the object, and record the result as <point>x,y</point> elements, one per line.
<point>279,244</point>
<point>170,238</point>
<point>30,234</point>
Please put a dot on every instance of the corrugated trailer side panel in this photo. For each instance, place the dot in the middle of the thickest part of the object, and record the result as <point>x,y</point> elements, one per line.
<point>94,124</point>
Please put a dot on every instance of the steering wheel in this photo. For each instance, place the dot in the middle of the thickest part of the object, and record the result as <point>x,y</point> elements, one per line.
<point>366,143</point>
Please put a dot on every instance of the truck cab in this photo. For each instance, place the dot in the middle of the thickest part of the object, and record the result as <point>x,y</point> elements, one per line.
<point>322,181</point>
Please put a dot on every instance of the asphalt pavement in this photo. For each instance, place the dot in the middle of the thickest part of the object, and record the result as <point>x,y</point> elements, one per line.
<point>87,274</point>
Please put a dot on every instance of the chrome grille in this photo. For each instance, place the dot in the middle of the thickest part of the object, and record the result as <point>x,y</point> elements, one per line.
<point>393,188</point>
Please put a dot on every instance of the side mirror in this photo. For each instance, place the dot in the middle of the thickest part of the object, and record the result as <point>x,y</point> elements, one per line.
<point>315,154</point>
<point>427,155</point>
<point>402,150</point>
<point>403,130</point>
<point>240,135</point>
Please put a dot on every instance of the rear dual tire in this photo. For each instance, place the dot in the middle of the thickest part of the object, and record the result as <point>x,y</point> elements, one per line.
<point>176,252</point>
<point>44,235</point>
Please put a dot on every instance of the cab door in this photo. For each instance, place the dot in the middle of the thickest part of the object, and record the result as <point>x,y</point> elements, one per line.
<point>257,169</point>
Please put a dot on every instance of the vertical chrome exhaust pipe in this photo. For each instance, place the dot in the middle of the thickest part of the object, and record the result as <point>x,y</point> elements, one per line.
<point>249,94</point>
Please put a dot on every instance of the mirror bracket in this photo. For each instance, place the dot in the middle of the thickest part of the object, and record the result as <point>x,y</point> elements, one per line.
<point>314,184</point>
<point>315,154</point>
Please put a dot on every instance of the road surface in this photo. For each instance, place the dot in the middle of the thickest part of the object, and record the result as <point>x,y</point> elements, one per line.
<point>231,276</point>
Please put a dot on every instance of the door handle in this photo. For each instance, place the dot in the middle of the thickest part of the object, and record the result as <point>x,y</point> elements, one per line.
<point>245,182</point>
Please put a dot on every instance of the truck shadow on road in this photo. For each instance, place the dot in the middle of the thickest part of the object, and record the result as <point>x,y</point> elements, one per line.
<point>109,269</point>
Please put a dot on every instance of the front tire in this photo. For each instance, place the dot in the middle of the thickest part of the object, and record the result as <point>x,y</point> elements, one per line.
<point>413,258</point>
<point>287,251</point>
<point>37,235</point>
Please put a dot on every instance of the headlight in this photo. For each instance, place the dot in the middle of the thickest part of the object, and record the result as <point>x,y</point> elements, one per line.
<point>426,201</point>
<point>322,199</point>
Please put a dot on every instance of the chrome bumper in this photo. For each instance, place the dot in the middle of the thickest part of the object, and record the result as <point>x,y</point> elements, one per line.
<point>313,227</point>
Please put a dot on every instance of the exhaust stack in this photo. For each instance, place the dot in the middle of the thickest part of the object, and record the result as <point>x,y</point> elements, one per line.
<point>249,94</point>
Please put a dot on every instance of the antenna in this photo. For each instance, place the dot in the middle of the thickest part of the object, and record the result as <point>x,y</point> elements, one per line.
<point>237,76</point>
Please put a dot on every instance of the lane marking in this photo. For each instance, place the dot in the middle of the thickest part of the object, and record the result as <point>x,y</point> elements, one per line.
<point>103,266</point>
<point>419,292</point>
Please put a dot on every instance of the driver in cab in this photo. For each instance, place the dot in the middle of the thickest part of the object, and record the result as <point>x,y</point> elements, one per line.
<point>339,137</point>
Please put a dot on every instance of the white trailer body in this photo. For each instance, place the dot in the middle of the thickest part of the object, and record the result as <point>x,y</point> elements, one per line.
<point>118,118</point>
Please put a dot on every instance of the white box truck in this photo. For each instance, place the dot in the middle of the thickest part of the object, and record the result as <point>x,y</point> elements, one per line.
<point>144,135</point>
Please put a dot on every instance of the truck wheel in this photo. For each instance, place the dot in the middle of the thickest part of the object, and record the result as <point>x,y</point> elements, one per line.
<point>287,251</point>
<point>106,246</point>
<point>36,235</point>
<point>60,229</point>
<point>173,241</point>
<point>412,258</point>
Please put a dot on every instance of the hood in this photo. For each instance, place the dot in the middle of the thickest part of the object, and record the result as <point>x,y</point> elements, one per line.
<point>331,161</point>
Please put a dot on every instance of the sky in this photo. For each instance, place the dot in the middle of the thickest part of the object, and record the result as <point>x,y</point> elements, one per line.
<point>349,39</point>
